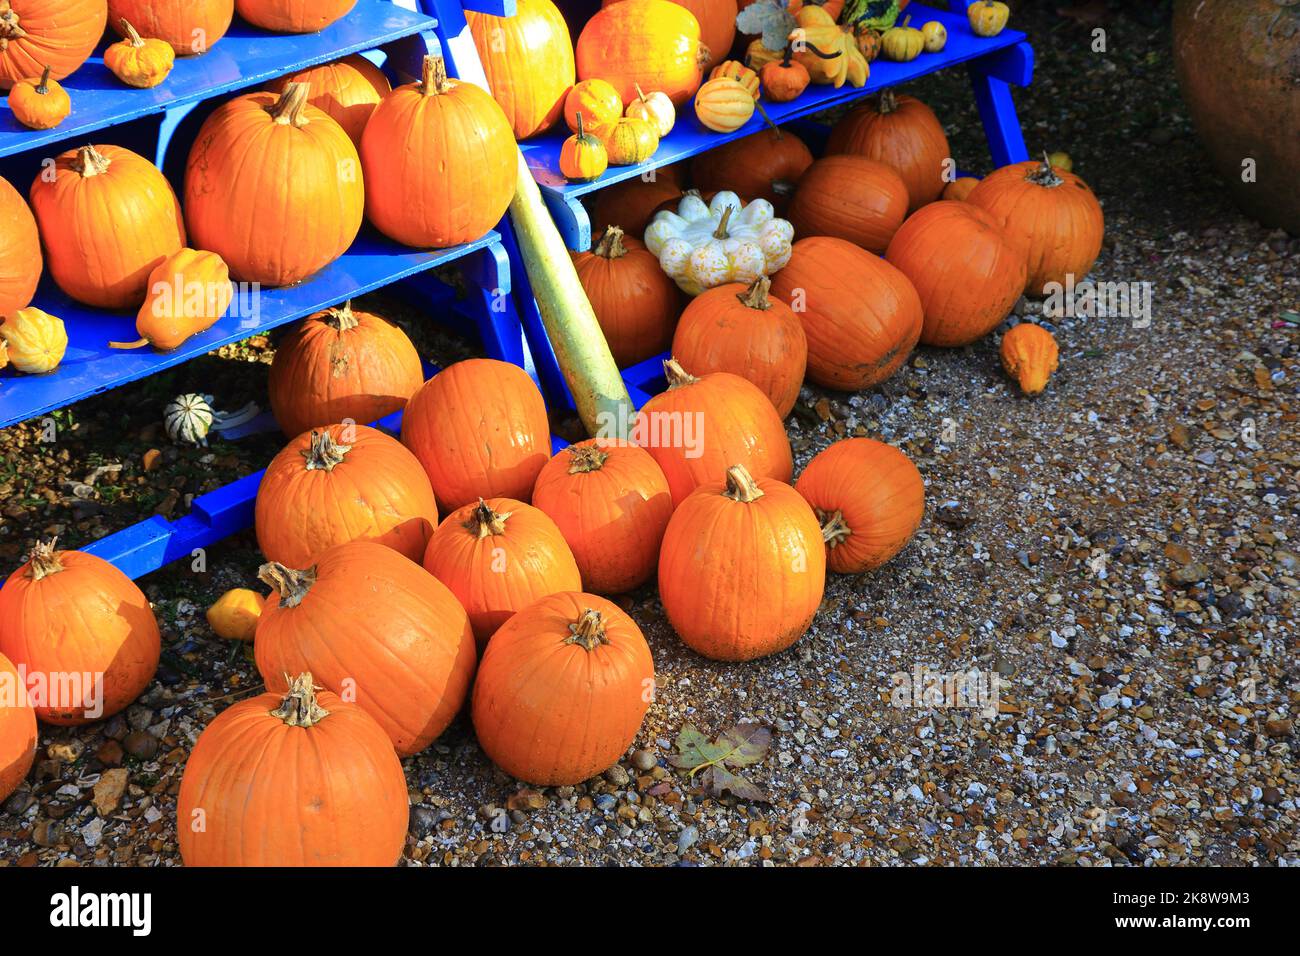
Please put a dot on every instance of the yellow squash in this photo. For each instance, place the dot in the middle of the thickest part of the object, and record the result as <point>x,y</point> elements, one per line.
<point>186,294</point>
<point>35,339</point>
<point>827,51</point>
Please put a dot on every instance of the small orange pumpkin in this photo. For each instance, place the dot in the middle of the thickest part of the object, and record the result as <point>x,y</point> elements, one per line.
<point>582,156</point>
<point>139,62</point>
<point>599,104</point>
<point>783,81</point>
<point>1029,354</point>
<point>39,103</point>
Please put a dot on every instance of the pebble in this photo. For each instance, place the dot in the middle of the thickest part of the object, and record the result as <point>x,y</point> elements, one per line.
<point>644,761</point>
<point>617,775</point>
<point>140,744</point>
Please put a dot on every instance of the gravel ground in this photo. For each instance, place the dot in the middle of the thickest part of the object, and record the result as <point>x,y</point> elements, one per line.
<point>1118,550</point>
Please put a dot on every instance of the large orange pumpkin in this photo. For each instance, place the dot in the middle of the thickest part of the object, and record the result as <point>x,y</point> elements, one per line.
<point>742,567</point>
<point>296,779</point>
<point>653,43</point>
<point>731,328</point>
<point>763,165</point>
<point>699,424</point>
<point>861,315</point>
<point>563,689</point>
<point>1049,215</point>
<point>480,429</point>
<point>343,483</point>
<point>348,90</point>
<point>20,251</point>
<point>635,301</point>
<point>440,161</point>
<point>67,615</point>
<point>17,729</point>
<point>60,34</point>
<point>375,628</point>
<point>850,197</point>
<point>611,502</point>
<point>717,20</point>
<point>274,187</point>
<point>869,499</point>
<point>340,365</point>
<point>902,132</point>
<point>293,16</point>
<point>966,272</point>
<point>190,26</point>
<point>528,59</point>
<point>108,218</point>
<point>497,556</point>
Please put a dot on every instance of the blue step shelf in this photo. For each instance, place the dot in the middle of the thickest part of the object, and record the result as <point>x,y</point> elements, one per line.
<point>161,123</point>
<point>994,65</point>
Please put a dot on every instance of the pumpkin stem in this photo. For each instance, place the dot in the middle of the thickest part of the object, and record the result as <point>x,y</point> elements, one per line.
<point>835,530</point>
<point>44,560</point>
<point>887,102</point>
<point>587,631</point>
<point>755,297</point>
<point>131,34</point>
<point>290,108</point>
<point>90,162</point>
<point>341,318</point>
<point>639,94</point>
<point>702,56</point>
<point>291,585</point>
<point>1045,175</point>
<point>298,708</point>
<point>908,19</point>
<point>741,485</point>
<point>137,344</point>
<point>676,375</point>
<point>43,86</point>
<point>721,231</point>
<point>582,133</point>
<point>820,53</point>
<point>9,28</point>
<point>586,458</point>
<point>434,77</point>
<point>483,521</point>
<point>611,244</point>
<point>324,453</point>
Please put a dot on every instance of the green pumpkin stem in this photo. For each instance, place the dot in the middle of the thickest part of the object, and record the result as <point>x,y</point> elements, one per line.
<point>835,530</point>
<point>586,458</point>
<point>298,707</point>
<point>324,453</point>
<point>434,76</point>
<point>676,375</point>
<point>341,318</point>
<point>611,244</point>
<point>483,521</point>
<point>291,585</point>
<point>741,485</point>
<point>588,631</point>
<point>291,108</point>
<point>755,297</point>
<point>44,559</point>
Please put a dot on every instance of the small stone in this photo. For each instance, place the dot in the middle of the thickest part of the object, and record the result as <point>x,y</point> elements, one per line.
<point>686,839</point>
<point>1278,728</point>
<point>526,800</point>
<point>605,802</point>
<point>644,761</point>
<point>18,803</point>
<point>108,791</point>
<point>68,751</point>
<point>140,744</point>
<point>617,775</point>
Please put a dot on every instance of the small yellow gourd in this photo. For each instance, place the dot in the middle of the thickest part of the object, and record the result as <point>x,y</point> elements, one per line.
<point>902,44</point>
<point>1029,355</point>
<point>655,108</point>
<point>600,106</point>
<point>186,294</point>
<point>39,104</point>
<point>739,72</point>
<point>36,340</point>
<point>139,62</point>
<point>828,51</point>
<point>235,614</point>
<point>582,156</point>
<point>987,17</point>
<point>935,36</point>
<point>631,141</point>
<point>1061,160</point>
<point>724,105</point>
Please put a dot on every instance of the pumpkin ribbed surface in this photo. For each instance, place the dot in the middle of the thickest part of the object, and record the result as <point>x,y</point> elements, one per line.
<point>528,60</point>
<point>60,34</point>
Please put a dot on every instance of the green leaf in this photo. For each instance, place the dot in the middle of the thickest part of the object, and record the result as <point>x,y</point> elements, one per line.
<point>744,745</point>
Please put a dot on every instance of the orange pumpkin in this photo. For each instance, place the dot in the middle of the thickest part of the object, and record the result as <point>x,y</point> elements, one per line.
<point>966,272</point>
<point>20,251</point>
<point>39,102</point>
<point>187,294</point>
<point>312,776</point>
<point>528,59</point>
<point>17,729</point>
<point>763,165</point>
<point>1049,215</point>
<point>293,16</point>
<point>190,26</point>
<point>274,187</point>
<point>785,79</point>
<point>742,568</point>
<point>60,34</point>
<point>108,218</point>
<point>341,365</point>
<point>440,161</point>
<point>960,188</point>
<point>653,43</point>
<point>861,315</point>
<point>498,556</point>
<point>374,628</point>
<point>731,328</point>
<point>348,90</point>
<point>563,689</point>
<point>869,499</point>
<point>902,132</point>
<point>633,202</point>
<point>1029,355</point>
<point>850,197</point>
<point>611,502</point>
<point>343,483</point>
<point>700,423</point>
<point>480,429</point>
<point>70,616</point>
<point>635,301</point>
<point>599,104</point>
<point>717,20</point>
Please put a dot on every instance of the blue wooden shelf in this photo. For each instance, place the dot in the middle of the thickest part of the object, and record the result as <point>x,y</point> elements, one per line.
<point>246,56</point>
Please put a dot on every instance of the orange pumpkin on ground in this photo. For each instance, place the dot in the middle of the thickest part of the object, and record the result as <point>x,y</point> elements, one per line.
<point>71,614</point>
<point>348,90</point>
<point>654,43</point>
<point>190,26</point>
<point>313,776</point>
<point>528,59</point>
<point>635,301</point>
<point>966,272</point>
<point>1029,355</point>
<point>343,483</point>
<point>869,499</point>
<point>60,34</point>
<point>861,315</point>
<point>498,556</point>
<point>731,328</point>
<point>342,364</point>
<point>374,628</point>
<point>902,132</point>
<point>17,729</point>
<point>742,568</point>
<point>480,429</point>
<point>294,16</point>
<point>20,251</point>
<point>611,502</point>
<point>850,197</point>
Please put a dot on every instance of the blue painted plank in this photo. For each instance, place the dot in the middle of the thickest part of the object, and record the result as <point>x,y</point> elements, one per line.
<point>90,367</point>
<point>244,57</point>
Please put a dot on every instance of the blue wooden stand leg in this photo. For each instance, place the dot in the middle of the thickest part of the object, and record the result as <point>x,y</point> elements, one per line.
<point>991,77</point>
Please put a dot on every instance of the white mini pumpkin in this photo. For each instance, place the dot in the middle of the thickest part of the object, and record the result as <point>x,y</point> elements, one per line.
<point>188,418</point>
<point>701,246</point>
